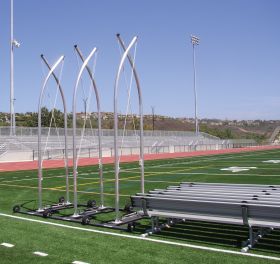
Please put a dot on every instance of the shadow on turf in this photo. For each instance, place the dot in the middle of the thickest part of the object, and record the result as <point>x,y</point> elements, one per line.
<point>212,234</point>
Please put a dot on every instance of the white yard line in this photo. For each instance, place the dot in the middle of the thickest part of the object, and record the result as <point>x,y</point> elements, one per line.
<point>32,179</point>
<point>143,238</point>
<point>215,174</point>
<point>8,245</point>
<point>79,262</point>
<point>210,158</point>
<point>41,254</point>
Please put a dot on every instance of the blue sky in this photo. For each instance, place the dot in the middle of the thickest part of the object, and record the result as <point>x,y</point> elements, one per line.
<point>238,59</point>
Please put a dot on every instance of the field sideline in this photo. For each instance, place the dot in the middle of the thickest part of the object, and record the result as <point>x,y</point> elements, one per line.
<point>64,245</point>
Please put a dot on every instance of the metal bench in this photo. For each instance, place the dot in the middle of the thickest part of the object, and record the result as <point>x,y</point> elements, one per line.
<point>250,205</point>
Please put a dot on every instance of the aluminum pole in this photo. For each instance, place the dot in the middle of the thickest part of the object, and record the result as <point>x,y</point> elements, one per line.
<point>99,127</point>
<point>65,129</point>
<point>195,41</point>
<point>117,168</point>
<point>74,106</point>
<point>40,173</point>
<point>195,93</point>
<point>12,111</point>
<point>141,161</point>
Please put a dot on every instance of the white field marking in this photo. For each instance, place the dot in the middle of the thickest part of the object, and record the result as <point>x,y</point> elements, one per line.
<point>41,254</point>
<point>8,245</point>
<point>211,158</point>
<point>89,192</point>
<point>203,159</point>
<point>271,161</point>
<point>143,238</point>
<point>263,152</point>
<point>238,169</point>
<point>226,174</point>
<point>178,182</point>
<point>32,179</point>
<point>79,262</point>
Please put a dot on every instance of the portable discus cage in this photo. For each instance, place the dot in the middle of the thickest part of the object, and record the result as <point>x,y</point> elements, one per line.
<point>84,213</point>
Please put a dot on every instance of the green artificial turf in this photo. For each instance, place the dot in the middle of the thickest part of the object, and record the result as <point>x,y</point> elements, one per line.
<point>66,245</point>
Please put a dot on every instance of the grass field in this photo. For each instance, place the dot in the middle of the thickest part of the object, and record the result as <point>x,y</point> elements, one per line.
<point>65,245</point>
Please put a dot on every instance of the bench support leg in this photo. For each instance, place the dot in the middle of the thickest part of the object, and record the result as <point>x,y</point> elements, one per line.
<point>254,237</point>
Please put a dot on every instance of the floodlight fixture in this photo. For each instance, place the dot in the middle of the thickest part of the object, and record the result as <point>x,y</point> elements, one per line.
<point>16,43</point>
<point>195,40</point>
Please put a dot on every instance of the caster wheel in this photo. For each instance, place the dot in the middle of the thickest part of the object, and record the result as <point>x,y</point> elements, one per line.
<point>61,199</point>
<point>128,208</point>
<point>47,213</point>
<point>85,220</point>
<point>91,203</point>
<point>16,208</point>
<point>131,227</point>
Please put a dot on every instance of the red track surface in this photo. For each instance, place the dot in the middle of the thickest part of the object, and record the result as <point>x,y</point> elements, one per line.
<point>32,165</point>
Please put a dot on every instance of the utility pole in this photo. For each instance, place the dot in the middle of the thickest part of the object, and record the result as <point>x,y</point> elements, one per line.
<point>195,41</point>
<point>13,43</point>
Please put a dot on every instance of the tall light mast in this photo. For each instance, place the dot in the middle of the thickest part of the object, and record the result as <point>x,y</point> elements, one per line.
<point>13,43</point>
<point>195,42</point>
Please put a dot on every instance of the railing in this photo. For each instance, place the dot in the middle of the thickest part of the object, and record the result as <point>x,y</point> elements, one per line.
<point>33,131</point>
<point>92,152</point>
<point>23,146</point>
<point>3,148</point>
<point>274,135</point>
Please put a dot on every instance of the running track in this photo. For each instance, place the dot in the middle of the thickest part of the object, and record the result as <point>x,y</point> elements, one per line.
<point>32,165</point>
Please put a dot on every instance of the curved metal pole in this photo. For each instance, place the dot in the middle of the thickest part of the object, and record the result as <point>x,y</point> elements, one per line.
<point>99,127</point>
<point>65,129</point>
<point>39,131</point>
<point>117,169</point>
<point>141,161</point>
<point>75,165</point>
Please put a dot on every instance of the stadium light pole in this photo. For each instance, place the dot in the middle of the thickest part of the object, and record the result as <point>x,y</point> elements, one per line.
<point>13,43</point>
<point>195,41</point>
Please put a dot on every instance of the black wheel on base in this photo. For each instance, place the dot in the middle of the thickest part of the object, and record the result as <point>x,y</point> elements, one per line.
<point>16,208</point>
<point>47,213</point>
<point>61,199</point>
<point>128,208</point>
<point>85,220</point>
<point>131,227</point>
<point>91,203</point>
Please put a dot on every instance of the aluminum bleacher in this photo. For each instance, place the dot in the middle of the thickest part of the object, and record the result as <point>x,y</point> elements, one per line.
<point>255,206</point>
<point>24,145</point>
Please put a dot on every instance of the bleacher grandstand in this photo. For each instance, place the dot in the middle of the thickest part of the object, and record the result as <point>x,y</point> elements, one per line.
<point>24,145</point>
